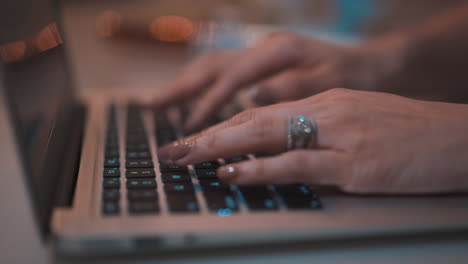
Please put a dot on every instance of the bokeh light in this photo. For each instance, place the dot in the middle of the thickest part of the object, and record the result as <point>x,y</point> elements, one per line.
<point>171,29</point>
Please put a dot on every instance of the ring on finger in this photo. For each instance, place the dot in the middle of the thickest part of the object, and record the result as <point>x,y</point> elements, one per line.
<point>302,133</point>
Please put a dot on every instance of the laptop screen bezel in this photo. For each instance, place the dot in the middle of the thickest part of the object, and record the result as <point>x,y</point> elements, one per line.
<point>51,143</point>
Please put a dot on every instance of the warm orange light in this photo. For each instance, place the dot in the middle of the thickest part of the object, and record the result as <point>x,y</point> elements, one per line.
<point>108,23</point>
<point>171,29</point>
<point>13,51</point>
<point>48,38</point>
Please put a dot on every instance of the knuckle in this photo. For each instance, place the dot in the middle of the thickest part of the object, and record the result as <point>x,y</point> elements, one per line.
<point>260,168</point>
<point>337,91</point>
<point>360,179</point>
<point>244,116</point>
<point>297,160</point>
<point>262,128</point>
<point>340,95</point>
<point>210,141</point>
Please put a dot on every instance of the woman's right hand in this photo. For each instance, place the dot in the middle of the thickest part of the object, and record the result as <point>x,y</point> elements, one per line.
<point>282,67</point>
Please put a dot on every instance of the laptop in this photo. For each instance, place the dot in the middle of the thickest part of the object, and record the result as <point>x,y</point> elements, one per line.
<point>95,185</point>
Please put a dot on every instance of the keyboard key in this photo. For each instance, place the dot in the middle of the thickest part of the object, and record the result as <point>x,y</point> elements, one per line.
<point>111,163</point>
<point>295,190</point>
<point>112,153</point>
<point>137,141</point>
<point>137,147</point>
<point>165,132</point>
<point>142,195</point>
<point>111,172</point>
<point>112,145</point>
<point>176,178</point>
<point>262,204</point>
<point>140,173</point>
<point>111,195</point>
<point>164,137</point>
<point>298,197</point>
<point>112,139</point>
<point>111,149</point>
<point>136,136</point>
<point>215,186</point>
<point>207,174</point>
<point>207,165</point>
<point>138,155</point>
<point>143,207</point>
<point>182,203</point>
<point>139,164</point>
<point>217,201</point>
<point>141,184</point>
<point>258,197</point>
<point>260,191</point>
<point>303,204</point>
<point>110,208</point>
<point>179,188</point>
<point>173,168</point>
<point>236,159</point>
<point>111,183</point>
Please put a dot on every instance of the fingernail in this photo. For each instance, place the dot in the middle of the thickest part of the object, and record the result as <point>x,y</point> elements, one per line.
<point>263,98</point>
<point>227,173</point>
<point>174,152</point>
<point>252,93</point>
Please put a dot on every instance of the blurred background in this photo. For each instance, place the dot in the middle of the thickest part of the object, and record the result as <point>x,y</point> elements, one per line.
<point>125,46</point>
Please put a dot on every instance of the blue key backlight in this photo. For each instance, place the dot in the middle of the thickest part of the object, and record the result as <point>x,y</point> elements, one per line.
<point>224,212</point>
<point>304,189</point>
<point>269,203</point>
<point>192,206</point>
<point>230,202</point>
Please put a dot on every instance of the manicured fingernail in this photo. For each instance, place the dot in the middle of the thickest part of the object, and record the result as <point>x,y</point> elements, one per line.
<point>174,152</point>
<point>227,173</point>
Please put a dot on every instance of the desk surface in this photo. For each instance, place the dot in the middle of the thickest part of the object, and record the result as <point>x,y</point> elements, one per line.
<point>135,68</point>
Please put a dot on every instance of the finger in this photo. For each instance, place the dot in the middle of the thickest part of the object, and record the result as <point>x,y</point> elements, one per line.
<point>254,65</point>
<point>321,167</point>
<point>196,77</point>
<point>266,135</point>
<point>238,119</point>
<point>285,86</point>
<point>294,85</point>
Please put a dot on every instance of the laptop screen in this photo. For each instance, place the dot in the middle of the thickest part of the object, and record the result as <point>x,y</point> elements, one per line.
<point>39,96</point>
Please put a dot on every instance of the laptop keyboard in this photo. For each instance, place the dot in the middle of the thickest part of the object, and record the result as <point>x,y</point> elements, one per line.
<point>136,169</point>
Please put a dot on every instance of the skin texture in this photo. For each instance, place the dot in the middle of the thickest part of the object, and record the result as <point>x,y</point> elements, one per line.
<point>368,142</point>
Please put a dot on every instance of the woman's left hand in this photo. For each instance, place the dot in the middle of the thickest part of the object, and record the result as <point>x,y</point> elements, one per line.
<point>367,142</point>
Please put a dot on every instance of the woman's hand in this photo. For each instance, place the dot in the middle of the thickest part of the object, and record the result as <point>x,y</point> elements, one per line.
<point>368,142</point>
<point>282,66</point>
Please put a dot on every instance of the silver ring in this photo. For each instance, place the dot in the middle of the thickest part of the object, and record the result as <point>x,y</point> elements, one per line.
<point>302,133</point>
